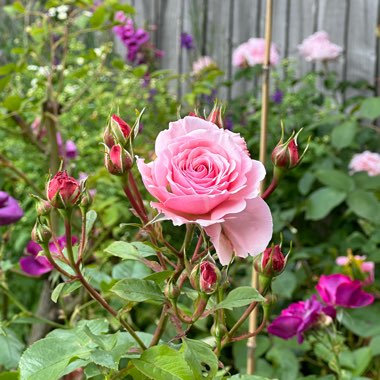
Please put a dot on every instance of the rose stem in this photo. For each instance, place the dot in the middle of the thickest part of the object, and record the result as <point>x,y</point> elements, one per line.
<point>160,326</point>
<point>94,294</point>
<point>251,343</point>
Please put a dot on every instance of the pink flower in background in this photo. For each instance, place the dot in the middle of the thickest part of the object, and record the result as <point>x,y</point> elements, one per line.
<point>252,53</point>
<point>340,290</point>
<point>318,47</point>
<point>203,174</point>
<point>365,162</point>
<point>35,265</point>
<point>367,267</point>
<point>299,317</point>
<point>203,63</point>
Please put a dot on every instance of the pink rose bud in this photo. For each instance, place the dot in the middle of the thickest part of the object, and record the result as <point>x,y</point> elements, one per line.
<point>108,138</point>
<point>117,160</point>
<point>271,262</point>
<point>216,115</point>
<point>63,191</point>
<point>41,233</point>
<point>120,129</point>
<point>205,277</point>
<point>285,155</point>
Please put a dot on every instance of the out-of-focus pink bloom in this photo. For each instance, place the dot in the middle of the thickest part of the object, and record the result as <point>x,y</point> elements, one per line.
<point>299,317</point>
<point>366,162</point>
<point>203,63</point>
<point>35,265</point>
<point>367,267</point>
<point>203,174</point>
<point>10,211</point>
<point>318,47</point>
<point>252,53</point>
<point>339,290</point>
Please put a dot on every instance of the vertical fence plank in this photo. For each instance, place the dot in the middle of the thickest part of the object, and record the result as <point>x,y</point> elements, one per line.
<point>361,47</point>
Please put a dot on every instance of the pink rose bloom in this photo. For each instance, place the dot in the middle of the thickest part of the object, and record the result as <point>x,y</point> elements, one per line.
<point>318,47</point>
<point>366,162</point>
<point>367,267</point>
<point>203,63</point>
<point>252,53</point>
<point>203,174</point>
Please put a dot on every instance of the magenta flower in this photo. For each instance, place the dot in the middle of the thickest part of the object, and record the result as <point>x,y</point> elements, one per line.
<point>340,290</point>
<point>299,317</point>
<point>10,211</point>
<point>35,265</point>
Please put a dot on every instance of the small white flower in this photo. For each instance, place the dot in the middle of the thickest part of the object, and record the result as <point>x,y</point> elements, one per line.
<point>80,61</point>
<point>62,16</point>
<point>62,8</point>
<point>52,12</point>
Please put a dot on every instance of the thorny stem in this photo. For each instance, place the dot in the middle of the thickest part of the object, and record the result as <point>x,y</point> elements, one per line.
<point>160,326</point>
<point>242,319</point>
<point>83,236</point>
<point>197,248</point>
<point>93,293</point>
<point>250,334</point>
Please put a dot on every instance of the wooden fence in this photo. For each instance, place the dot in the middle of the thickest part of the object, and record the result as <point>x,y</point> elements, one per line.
<point>221,25</point>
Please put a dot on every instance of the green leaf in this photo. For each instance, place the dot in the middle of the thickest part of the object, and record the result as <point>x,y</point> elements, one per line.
<point>284,285</point>
<point>322,201</point>
<point>12,102</point>
<point>90,220</point>
<point>248,377</point>
<point>370,108</point>
<point>98,17</point>
<point>163,363</point>
<point>9,376</point>
<point>285,362</point>
<point>363,322</point>
<point>10,349</point>
<point>130,269</point>
<point>343,134</point>
<point>48,358</point>
<point>201,359</point>
<point>366,182</point>
<point>137,290</point>
<point>362,357</point>
<point>336,179</point>
<point>57,291</point>
<point>365,205</point>
<point>159,277</point>
<point>375,345</point>
<point>240,297</point>
<point>128,251</point>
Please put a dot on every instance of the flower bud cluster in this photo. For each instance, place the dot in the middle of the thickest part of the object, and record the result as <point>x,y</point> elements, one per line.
<point>117,159</point>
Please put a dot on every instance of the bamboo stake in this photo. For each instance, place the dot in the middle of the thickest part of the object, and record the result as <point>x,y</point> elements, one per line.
<point>251,343</point>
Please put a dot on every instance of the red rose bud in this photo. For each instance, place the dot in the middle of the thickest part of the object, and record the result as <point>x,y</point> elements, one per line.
<point>216,115</point>
<point>205,277</point>
<point>117,160</point>
<point>63,191</point>
<point>285,155</point>
<point>121,130</point>
<point>273,261</point>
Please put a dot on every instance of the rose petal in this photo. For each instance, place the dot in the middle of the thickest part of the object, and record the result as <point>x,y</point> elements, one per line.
<point>35,266</point>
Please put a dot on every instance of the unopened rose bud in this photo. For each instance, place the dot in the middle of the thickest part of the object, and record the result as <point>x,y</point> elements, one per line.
<point>285,155</point>
<point>216,115</point>
<point>218,330</point>
<point>117,160</point>
<point>63,191</point>
<point>41,233</point>
<point>120,129</point>
<point>205,277</point>
<point>86,200</point>
<point>43,207</point>
<point>108,138</point>
<point>271,262</point>
<point>171,291</point>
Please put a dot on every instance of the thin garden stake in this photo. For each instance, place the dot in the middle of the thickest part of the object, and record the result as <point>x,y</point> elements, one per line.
<point>251,343</point>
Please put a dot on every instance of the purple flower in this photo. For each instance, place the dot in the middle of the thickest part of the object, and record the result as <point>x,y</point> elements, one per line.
<point>277,96</point>
<point>297,318</point>
<point>10,211</point>
<point>71,149</point>
<point>187,41</point>
<point>340,290</point>
<point>35,265</point>
<point>228,123</point>
<point>141,36</point>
